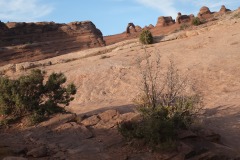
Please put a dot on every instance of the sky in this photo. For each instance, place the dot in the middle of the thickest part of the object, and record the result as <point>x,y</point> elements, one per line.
<point>110,16</point>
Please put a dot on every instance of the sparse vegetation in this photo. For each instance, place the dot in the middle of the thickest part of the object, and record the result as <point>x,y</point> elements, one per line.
<point>196,21</point>
<point>237,15</point>
<point>28,96</point>
<point>165,105</point>
<point>184,26</point>
<point>146,37</point>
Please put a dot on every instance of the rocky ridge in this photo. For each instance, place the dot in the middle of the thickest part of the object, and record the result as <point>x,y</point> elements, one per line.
<point>21,42</point>
<point>36,41</point>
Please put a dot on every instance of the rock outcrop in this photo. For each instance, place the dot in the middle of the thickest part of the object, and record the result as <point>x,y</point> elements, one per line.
<point>204,12</point>
<point>138,28</point>
<point>164,21</point>
<point>35,41</point>
<point>224,9</point>
<point>72,139</point>
<point>151,26</point>
<point>184,18</point>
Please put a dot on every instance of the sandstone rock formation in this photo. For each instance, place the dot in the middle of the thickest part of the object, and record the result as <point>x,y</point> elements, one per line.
<point>204,12</point>
<point>138,28</point>
<point>184,18</point>
<point>224,9</point>
<point>35,41</point>
<point>164,21</point>
<point>151,26</point>
<point>129,26</point>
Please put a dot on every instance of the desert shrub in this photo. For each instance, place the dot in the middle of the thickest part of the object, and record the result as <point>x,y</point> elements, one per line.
<point>146,37</point>
<point>184,26</point>
<point>31,95</point>
<point>237,15</point>
<point>166,106</point>
<point>196,21</point>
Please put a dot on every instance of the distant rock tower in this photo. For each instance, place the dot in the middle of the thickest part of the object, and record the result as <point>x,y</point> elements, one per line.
<point>183,18</point>
<point>224,9</point>
<point>164,21</point>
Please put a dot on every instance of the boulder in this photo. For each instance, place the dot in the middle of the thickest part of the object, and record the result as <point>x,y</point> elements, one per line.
<point>108,115</point>
<point>204,11</point>
<point>164,21</point>
<point>91,121</point>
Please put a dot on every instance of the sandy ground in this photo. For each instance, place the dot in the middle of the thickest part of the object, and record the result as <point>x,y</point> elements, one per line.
<point>111,79</point>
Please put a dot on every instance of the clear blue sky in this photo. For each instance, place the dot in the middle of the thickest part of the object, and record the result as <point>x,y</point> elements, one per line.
<point>110,16</point>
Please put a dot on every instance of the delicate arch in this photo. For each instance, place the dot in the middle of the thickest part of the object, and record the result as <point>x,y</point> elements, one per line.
<point>128,28</point>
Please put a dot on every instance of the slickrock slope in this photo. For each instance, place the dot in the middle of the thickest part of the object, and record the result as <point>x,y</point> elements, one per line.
<point>109,78</point>
<point>20,42</point>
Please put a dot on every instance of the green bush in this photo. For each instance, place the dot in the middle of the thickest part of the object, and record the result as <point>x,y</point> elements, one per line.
<point>164,105</point>
<point>146,37</point>
<point>29,95</point>
<point>196,21</point>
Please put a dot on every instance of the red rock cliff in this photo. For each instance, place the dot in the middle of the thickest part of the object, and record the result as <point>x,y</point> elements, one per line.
<point>21,42</point>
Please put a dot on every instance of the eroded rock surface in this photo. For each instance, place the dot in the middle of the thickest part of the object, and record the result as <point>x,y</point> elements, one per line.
<point>35,41</point>
<point>164,21</point>
<point>71,140</point>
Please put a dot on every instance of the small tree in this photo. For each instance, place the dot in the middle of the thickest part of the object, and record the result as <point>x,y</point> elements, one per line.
<point>164,104</point>
<point>30,96</point>
<point>146,37</point>
<point>196,21</point>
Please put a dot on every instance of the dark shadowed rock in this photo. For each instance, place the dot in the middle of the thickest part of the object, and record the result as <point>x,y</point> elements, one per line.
<point>38,152</point>
<point>183,18</point>
<point>20,150</point>
<point>210,135</point>
<point>14,158</point>
<point>59,119</point>
<point>183,134</point>
<point>164,21</point>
